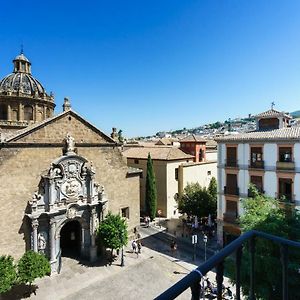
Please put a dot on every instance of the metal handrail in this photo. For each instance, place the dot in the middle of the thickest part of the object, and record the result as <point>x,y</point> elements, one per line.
<point>195,276</point>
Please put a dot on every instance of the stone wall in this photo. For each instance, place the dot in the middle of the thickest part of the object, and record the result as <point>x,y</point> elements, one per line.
<point>21,169</point>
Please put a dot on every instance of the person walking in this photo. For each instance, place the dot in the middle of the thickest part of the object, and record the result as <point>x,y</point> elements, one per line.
<point>134,246</point>
<point>139,246</point>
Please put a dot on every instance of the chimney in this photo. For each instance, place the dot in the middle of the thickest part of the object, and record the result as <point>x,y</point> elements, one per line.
<point>114,134</point>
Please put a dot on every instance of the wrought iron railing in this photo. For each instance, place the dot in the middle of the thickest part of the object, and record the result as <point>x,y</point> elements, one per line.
<point>192,280</point>
<point>231,190</point>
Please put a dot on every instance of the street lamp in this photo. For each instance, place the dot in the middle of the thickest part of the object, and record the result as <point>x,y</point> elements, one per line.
<point>205,242</point>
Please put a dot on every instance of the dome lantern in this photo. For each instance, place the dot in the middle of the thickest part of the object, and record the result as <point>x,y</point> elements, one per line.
<point>22,64</point>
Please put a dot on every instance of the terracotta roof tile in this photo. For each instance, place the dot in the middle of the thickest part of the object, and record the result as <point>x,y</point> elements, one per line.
<point>287,133</point>
<point>159,153</point>
<point>272,113</point>
<point>193,138</point>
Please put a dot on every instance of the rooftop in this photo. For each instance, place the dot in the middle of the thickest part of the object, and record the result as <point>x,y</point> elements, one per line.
<point>193,138</point>
<point>157,153</point>
<point>286,133</point>
<point>273,113</point>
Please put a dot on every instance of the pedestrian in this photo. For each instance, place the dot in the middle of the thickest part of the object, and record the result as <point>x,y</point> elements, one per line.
<point>173,246</point>
<point>139,246</point>
<point>134,246</point>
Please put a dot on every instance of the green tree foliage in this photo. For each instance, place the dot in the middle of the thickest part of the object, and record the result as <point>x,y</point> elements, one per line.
<point>151,193</point>
<point>8,273</point>
<point>32,265</point>
<point>213,188</point>
<point>197,201</point>
<point>265,214</point>
<point>120,136</point>
<point>112,232</point>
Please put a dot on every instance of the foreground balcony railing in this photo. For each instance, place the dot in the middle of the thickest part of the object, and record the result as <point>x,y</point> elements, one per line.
<point>258,164</point>
<point>192,280</point>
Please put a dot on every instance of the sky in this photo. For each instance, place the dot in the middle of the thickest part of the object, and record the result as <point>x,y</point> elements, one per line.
<point>147,66</point>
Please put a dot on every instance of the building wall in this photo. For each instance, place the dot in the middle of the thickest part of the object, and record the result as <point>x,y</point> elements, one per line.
<point>20,173</point>
<point>160,171</point>
<point>199,172</point>
<point>211,155</point>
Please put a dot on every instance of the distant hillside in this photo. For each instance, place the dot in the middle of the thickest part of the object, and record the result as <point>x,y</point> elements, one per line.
<point>295,114</point>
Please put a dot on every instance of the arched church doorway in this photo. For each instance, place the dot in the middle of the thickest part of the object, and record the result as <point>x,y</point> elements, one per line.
<point>70,237</point>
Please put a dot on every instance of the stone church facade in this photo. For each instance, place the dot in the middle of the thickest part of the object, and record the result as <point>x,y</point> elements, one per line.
<point>59,176</point>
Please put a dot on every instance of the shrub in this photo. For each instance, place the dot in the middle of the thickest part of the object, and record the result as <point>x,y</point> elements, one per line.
<point>32,265</point>
<point>8,273</point>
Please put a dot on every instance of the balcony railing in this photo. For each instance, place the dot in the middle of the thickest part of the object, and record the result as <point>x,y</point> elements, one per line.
<point>231,163</point>
<point>286,197</point>
<point>231,190</point>
<point>257,164</point>
<point>260,190</point>
<point>230,217</point>
<point>285,165</point>
<point>192,280</point>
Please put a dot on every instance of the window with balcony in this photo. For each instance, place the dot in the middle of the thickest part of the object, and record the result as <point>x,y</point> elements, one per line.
<point>256,160</point>
<point>231,187</point>
<point>231,213</point>
<point>257,181</point>
<point>285,189</point>
<point>285,154</point>
<point>231,157</point>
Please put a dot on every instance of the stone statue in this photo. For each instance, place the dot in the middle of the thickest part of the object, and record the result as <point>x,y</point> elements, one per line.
<point>42,241</point>
<point>70,143</point>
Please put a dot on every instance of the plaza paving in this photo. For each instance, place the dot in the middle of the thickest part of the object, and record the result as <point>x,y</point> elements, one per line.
<point>143,277</point>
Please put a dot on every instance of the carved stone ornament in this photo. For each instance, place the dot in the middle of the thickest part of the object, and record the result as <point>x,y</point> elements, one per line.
<point>71,212</point>
<point>71,188</point>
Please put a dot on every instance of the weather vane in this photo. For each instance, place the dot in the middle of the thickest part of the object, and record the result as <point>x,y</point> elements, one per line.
<point>22,48</point>
<point>272,104</point>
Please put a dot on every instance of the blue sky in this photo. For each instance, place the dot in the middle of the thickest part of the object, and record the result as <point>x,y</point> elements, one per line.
<point>145,66</point>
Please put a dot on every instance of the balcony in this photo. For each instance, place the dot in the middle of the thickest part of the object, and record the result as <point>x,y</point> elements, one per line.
<point>230,217</point>
<point>283,197</point>
<point>193,279</point>
<point>260,190</point>
<point>231,190</point>
<point>258,164</point>
<point>231,163</point>
<point>285,165</point>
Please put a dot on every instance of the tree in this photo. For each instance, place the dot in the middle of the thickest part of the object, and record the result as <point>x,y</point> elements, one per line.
<point>8,273</point>
<point>266,214</point>
<point>213,188</point>
<point>197,201</point>
<point>32,265</point>
<point>151,193</point>
<point>120,136</point>
<point>112,232</point>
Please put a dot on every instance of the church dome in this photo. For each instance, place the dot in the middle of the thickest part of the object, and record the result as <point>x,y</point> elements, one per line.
<point>21,80</point>
<point>23,99</point>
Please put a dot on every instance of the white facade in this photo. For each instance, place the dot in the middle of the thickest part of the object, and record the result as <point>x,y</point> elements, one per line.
<point>270,173</point>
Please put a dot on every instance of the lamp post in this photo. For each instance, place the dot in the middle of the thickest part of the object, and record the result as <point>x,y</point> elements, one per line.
<point>205,242</point>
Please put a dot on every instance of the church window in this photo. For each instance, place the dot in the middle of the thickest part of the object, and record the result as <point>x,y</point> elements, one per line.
<point>125,212</point>
<point>3,112</point>
<point>28,113</point>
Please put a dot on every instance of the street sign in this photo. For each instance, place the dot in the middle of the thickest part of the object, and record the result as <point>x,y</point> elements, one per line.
<point>194,239</point>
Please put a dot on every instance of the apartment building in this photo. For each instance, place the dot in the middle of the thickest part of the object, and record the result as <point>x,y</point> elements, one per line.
<point>269,158</point>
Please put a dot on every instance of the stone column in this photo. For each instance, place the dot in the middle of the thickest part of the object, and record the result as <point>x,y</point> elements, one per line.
<point>35,225</point>
<point>52,240</point>
<point>21,112</point>
<point>51,193</point>
<point>8,112</point>
<point>93,248</point>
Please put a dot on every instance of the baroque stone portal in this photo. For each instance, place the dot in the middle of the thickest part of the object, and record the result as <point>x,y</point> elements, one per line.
<point>67,192</point>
